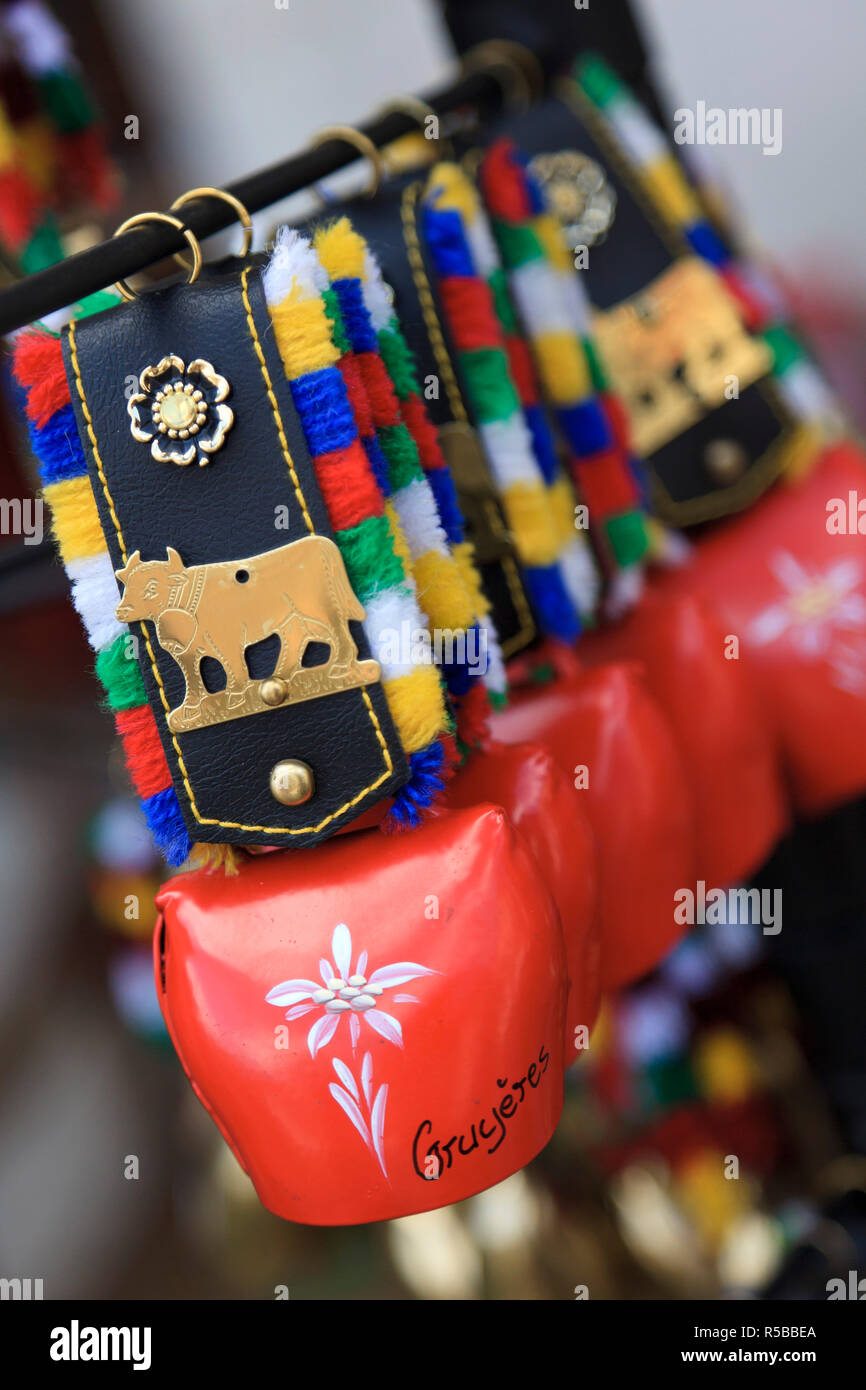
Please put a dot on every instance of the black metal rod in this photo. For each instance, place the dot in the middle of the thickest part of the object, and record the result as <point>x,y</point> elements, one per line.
<point>101,265</point>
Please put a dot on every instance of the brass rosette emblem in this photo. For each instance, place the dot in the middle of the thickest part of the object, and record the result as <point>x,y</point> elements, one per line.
<point>578,193</point>
<point>180,411</point>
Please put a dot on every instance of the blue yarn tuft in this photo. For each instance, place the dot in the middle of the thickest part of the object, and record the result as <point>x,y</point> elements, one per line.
<point>426,781</point>
<point>446,241</point>
<point>326,414</point>
<point>378,463</point>
<point>554,610</point>
<point>708,244</point>
<point>542,442</point>
<point>58,447</point>
<point>586,428</point>
<point>353,311</point>
<point>165,819</point>
<point>450,515</point>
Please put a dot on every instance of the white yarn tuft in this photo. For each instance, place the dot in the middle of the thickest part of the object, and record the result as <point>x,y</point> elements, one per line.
<point>378,300</point>
<point>95,596</point>
<point>293,265</point>
<point>419,518</point>
<point>508,446</point>
<point>43,45</point>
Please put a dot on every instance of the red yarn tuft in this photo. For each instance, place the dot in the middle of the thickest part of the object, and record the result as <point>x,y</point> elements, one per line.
<point>20,206</point>
<point>617,418</point>
<point>502,184</point>
<point>473,713</point>
<point>348,486</point>
<point>452,758</point>
<point>522,369</point>
<point>85,172</point>
<point>380,391</point>
<point>423,431</point>
<point>754,312</point>
<point>357,393</point>
<point>469,309</point>
<point>606,484</point>
<point>38,366</point>
<point>145,759</point>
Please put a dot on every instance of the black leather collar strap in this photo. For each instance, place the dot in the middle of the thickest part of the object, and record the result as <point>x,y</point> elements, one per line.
<point>389,223</point>
<point>626,274</point>
<point>247,625</point>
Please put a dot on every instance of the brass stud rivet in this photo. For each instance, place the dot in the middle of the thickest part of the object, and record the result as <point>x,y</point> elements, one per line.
<point>292,782</point>
<point>725,460</point>
<point>274,691</point>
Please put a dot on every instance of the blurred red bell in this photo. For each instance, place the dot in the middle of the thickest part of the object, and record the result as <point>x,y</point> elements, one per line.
<point>375,1025</point>
<point>541,802</point>
<point>612,739</point>
<point>728,753</point>
<point>788,579</point>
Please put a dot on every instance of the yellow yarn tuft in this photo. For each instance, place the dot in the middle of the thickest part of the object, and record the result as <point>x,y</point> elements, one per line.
<point>550,234</point>
<point>303,334</point>
<point>7,141</point>
<point>665,183</point>
<point>417,707</point>
<point>401,546</point>
<point>562,504</point>
<point>563,366</point>
<point>340,249</point>
<point>441,591</point>
<point>213,857</point>
<point>37,151</point>
<point>454,190</point>
<point>527,511</point>
<point>464,554</point>
<point>75,518</point>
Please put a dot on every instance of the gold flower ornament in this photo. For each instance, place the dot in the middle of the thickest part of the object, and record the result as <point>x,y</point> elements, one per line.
<point>180,411</point>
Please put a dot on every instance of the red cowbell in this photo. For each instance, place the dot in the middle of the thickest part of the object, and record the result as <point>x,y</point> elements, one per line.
<point>729,755</point>
<point>542,804</point>
<point>375,1025</point>
<point>788,579</point>
<point>637,801</point>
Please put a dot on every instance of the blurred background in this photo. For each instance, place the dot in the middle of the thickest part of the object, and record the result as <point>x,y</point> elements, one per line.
<point>113,1183</point>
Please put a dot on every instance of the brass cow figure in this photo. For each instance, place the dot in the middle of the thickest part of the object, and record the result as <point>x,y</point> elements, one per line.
<point>300,592</point>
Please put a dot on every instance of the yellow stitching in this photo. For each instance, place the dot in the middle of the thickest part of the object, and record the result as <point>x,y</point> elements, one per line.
<point>428,307</point>
<point>273,400</point>
<point>210,820</point>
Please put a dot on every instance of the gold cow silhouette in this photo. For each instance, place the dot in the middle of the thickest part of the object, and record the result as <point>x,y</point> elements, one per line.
<point>300,592</point>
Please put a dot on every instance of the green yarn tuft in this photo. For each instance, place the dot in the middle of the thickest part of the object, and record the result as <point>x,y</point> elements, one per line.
<point>628,537</point>
<point>489,384</point>
<point>43,249</point>
<point>596,370</point>
<point>600,82</point>
<point>66,101</point>
<point>498,282</point>
<point>371,561</point>
<point>399,363</point>
<point>784,347</point>
<point>401,455</point>
<point>120,676</point>
<point>338,331</point>
<point>518,244</point>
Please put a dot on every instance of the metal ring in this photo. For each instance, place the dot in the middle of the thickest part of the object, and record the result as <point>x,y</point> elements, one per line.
<point>233,202</point>
<point>360,142</point>
<point>512,63</point>
<point>420,112</point>
<point>137,221</point>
